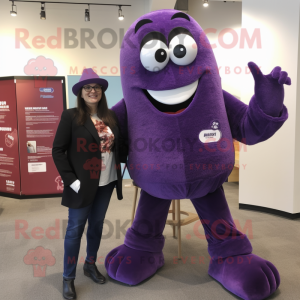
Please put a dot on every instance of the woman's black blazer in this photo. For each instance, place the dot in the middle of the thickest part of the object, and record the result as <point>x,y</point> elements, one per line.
<point>82,158</point>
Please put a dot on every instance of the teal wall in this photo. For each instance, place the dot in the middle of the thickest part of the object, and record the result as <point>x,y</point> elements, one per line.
<point>113,95</point>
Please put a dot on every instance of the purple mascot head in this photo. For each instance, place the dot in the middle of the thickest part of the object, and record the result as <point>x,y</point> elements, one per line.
<point>165,56</point>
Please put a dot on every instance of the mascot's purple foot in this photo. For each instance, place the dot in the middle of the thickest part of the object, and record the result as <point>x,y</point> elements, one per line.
<point>132,266</point>
<point>247,276</point>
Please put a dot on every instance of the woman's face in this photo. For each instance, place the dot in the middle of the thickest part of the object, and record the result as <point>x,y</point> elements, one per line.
<point>91,95</point>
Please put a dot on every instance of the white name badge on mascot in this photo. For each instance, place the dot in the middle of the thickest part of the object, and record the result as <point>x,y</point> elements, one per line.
<point>210,136</point>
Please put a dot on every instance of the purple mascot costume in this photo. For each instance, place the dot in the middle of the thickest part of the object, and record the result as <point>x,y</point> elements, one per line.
<point>180,127</point>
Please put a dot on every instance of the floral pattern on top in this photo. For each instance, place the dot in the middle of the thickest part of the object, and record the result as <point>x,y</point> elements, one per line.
<point>105,134</point>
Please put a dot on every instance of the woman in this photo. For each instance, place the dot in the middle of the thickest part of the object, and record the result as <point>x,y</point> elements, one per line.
<point>90,170</point>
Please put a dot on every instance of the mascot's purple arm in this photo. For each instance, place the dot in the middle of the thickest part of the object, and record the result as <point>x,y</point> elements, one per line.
<point>168,160</point>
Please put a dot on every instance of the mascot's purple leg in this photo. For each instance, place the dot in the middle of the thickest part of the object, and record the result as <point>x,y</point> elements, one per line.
<point>141,255</point>
<point>232,264</point>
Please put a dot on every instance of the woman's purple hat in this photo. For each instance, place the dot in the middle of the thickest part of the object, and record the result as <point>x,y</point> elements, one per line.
<point>89,76</point>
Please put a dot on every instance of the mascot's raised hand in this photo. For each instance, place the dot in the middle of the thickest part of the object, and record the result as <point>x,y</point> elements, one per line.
<point>269,91</point>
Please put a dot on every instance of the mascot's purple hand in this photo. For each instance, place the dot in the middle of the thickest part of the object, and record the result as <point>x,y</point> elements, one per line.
<point>269,91</point>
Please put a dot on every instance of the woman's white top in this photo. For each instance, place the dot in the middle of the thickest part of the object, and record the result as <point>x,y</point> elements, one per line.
<point>108,166</point>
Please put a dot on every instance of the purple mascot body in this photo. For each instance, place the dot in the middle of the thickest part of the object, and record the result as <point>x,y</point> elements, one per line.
<point>180,127</point>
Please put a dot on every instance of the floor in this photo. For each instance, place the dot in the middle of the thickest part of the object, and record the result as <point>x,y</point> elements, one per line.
<point>274,238</point>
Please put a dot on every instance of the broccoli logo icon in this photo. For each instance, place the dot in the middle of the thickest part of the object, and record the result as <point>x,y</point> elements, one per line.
<point>11,138</point>
<point>39,258</point>
<point>94,165</point>
<point>60,184</point>
<point>215,125</point>
<point>40,66</point>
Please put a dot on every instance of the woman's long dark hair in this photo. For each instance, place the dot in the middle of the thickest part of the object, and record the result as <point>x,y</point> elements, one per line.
<point>103,112</point>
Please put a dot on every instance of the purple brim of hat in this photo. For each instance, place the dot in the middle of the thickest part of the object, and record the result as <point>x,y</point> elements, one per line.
<point>76,87</point>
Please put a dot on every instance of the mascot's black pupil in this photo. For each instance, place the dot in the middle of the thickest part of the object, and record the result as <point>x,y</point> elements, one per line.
<point>179,51</point>
<point>160,55</point>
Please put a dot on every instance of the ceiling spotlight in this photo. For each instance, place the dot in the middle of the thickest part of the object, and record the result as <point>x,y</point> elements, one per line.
<point>121,17</point>
<point>87,14</point>
<point>43,12</point>
<point>13,11</point>
<point>205,4</point>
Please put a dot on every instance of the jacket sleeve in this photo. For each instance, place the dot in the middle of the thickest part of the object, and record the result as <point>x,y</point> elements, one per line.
<point>121,115</point>
<point>61,143</point>
<point>248,123</point>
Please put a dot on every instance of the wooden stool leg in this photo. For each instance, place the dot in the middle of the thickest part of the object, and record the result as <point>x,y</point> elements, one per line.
<point>134,204</point>
<point>178,229</point>
<point>173,216</point>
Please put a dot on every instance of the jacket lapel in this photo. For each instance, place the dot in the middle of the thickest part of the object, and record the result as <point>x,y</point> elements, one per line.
<point>89,125</point>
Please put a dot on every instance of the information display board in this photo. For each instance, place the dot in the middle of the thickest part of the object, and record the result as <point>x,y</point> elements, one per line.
<point>9,145</point>
<point>29,125</point>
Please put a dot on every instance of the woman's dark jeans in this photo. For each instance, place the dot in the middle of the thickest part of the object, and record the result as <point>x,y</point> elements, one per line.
<point>95,214</point>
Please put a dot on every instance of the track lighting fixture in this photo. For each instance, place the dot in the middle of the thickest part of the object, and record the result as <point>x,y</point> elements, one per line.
<point>205,3</point>
<point>87,14</point>
<point>13,11</point>
<point>121,17</point>
<point>43,12</point>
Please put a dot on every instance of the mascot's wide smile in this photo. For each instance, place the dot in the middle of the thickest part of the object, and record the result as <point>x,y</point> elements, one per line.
<point>175,100</point>
<point>175,96</point>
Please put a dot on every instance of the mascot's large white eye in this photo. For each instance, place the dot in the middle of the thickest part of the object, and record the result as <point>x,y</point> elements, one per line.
<point>154,55</point>
<point>183,49</point>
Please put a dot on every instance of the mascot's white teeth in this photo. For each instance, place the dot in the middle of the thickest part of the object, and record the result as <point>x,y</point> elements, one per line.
<point>175,96</point>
